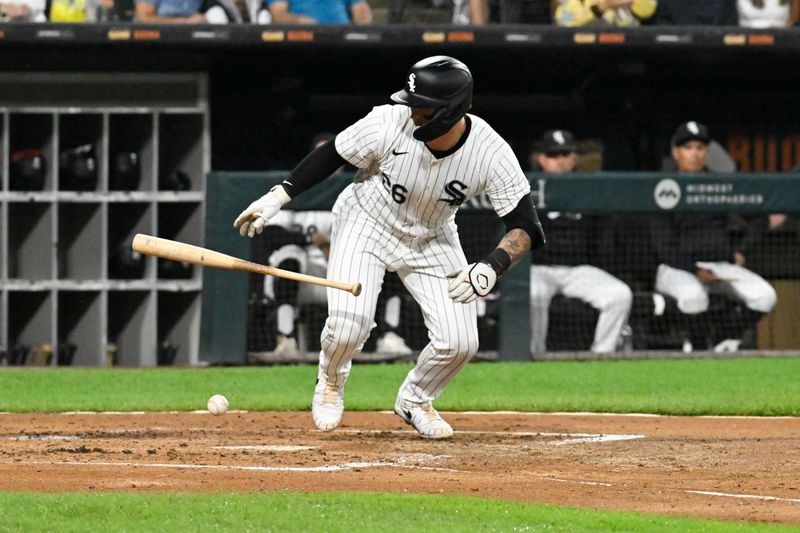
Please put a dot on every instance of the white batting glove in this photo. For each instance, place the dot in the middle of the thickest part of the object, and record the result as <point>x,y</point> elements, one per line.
<point>253,219</point>
<point>476,279</point>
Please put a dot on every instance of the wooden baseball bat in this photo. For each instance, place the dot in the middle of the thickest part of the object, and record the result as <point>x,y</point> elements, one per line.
<point>197,255</point>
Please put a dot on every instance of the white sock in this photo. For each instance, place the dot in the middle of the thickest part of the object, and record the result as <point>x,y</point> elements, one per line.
<point>286,319</point>
<point>392,314</point>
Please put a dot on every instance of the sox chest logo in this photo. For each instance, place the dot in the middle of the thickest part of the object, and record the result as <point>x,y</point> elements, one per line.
<point>455,192</point>
<point>412,87</point>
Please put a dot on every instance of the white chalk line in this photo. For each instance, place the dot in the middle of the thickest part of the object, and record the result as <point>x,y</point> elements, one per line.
<point>596,438</point>
<point>360,465</point>
<point>700,492</point>
<point>745,496</point>
<point>324,468</point>
<point>559,480</point>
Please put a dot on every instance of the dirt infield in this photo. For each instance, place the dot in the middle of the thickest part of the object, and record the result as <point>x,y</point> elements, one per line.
<point>721,468</point>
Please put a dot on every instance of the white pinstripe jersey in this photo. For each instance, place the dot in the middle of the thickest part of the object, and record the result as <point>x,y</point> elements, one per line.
<point>305,222</point>
<point>411,192</point>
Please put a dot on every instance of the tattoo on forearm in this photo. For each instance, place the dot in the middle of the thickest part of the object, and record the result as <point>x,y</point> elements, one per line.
<point>516,243</point>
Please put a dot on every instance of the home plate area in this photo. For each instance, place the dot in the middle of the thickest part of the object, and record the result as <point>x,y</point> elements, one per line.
<point>734,468</point>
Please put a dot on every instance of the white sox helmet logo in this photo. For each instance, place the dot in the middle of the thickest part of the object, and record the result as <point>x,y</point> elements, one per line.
<point>412,87</point>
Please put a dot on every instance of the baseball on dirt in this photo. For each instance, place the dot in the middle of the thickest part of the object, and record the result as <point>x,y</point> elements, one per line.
<point>217,404</point>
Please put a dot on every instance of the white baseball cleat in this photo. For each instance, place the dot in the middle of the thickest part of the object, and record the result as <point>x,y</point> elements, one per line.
<point>425,419</point>
<point>327,405</point>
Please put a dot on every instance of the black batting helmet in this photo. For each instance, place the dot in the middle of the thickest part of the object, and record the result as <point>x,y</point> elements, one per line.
<point>442,83</point>
<point>28,170</point>
<point>77,168</point>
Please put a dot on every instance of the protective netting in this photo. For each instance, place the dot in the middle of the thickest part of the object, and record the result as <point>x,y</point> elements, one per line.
<point>593,264</point>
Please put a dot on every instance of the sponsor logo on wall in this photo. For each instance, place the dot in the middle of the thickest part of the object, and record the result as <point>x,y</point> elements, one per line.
<point>667,193</point>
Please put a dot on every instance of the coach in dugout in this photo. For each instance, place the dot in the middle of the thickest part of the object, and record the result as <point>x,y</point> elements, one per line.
<point>563,266</point>
<point>697,259</point>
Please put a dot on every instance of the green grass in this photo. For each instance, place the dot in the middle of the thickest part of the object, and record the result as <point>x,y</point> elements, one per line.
<point>757,386</point>
<point>345,512</point>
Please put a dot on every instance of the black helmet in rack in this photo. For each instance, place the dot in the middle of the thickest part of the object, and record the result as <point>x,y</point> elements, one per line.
<point>442,83</point>
<point>28,170</point>
<point>124,263</point>
<point>124,171</point>
<point>77,169</point>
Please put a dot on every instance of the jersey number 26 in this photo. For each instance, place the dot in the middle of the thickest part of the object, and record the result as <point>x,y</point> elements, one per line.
<point>397,191</point>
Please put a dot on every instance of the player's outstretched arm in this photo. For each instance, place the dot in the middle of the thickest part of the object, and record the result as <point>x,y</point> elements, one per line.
<point>315,167</point>
<point>524,234</point>
<point>252,220</point>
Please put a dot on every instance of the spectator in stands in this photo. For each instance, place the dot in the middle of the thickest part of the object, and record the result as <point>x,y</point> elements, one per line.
<point>320,11</point>
<point>696,12</point>
<point>199,11</point>
<point>768,13</point>
<point>696,257</point>
<point>22,11</point>
<point>564,267</point>
<point>179,11</point>
<point>609,12</point>
<point>506,11</point>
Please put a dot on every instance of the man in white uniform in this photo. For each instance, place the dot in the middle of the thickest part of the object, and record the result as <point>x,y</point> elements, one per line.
<point>696,256</point>
<point>420,161</point>
<point>305,249</point>
<point>563,267</point>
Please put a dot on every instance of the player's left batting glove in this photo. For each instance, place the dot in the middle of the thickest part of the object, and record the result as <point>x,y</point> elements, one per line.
<point>474,280</point>
<point>478,279</point>
<point>252,220</point>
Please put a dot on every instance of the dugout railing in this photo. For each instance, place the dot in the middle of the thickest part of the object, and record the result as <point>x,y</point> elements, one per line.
<point>629,202</point>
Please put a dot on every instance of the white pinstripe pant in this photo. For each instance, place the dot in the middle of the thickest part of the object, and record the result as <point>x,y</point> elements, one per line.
<point>606,293</point>
<point>736,282</point>
<point>363,251</point>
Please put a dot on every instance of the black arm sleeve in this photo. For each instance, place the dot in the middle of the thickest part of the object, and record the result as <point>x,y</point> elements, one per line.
<point>525,217</point>
<point>315,167</point>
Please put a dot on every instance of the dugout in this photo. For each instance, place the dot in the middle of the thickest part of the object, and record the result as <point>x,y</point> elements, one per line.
<point>265,91</point>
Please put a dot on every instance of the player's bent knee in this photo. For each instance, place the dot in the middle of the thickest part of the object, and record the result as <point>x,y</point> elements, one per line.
<point>345,333</point>
<point>623,297</point>
<point>618,297</point>
<point>459,347</point>
<point>765,301</point>
<point>694,304</point>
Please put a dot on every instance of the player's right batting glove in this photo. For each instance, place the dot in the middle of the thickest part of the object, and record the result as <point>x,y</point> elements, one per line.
<point>476,279</point>
<point>253,219</point>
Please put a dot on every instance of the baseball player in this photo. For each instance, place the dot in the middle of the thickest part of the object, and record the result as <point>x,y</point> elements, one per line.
<point>304,249</point>
<point>564,268</point>
<point>419,160</point>
<point>696,255</point>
